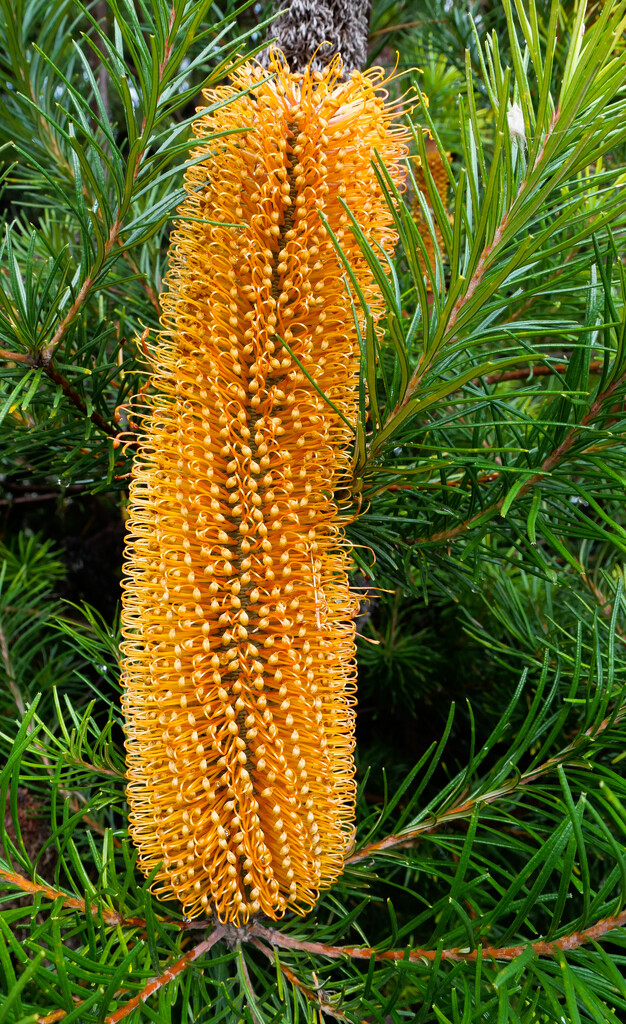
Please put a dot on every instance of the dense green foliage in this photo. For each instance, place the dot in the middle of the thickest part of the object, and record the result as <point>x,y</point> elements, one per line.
<point>488,880</point>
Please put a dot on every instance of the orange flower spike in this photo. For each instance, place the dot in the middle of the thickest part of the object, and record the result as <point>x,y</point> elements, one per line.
<point>440,177</point>
<point>239,655</point>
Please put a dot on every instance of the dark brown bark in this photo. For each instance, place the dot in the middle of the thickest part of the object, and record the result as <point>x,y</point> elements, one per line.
<point>313,31</point>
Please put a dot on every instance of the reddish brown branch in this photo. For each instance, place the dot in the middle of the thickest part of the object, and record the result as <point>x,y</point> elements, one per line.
<point>147,287</point>
<point>56,1015</point>
<point>14,357</point>
<point>57,378</point>
<point>314,996</point>
<point>168,975</point>
<point>74,800</point>
<point>248,981</point>
<point>53,374</point>
<point>405,24</point>
<point>108,916</point>
<point>276,939</point>
<point>476,278</point>
<point>477,275</point>
<point>466,808</point>
<point>524,372</point>
<point>482,479</point>
<point>59,334</point>
<point>112,240</point>
<point>457,954</point>
<point>44,359</point>
<point>167,52</point>
<point>546,468</point>
<point>604,603</point>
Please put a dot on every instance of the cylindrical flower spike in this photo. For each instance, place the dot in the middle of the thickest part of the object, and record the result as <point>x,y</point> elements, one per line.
<point>239,665</point>
<point>440,177</point>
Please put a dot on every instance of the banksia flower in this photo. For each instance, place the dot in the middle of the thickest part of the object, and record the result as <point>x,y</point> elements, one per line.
<point>238,650</point>
<point>440,177</point>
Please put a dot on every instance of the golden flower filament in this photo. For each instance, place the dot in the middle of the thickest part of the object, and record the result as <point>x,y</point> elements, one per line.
<point>239,655</point>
